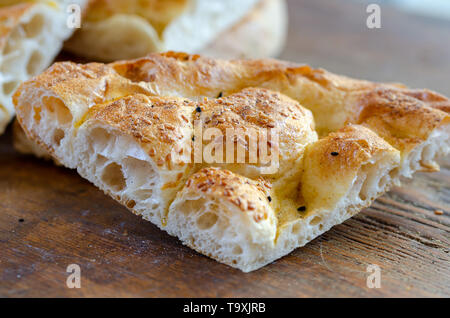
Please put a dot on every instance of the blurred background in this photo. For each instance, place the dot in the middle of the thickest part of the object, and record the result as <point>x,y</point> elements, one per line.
<point>412,46</point>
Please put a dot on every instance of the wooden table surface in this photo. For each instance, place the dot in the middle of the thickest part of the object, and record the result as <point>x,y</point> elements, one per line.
<point>50,217</point>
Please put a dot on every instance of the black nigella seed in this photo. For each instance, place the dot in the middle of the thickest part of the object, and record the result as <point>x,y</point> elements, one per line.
<point>193,138</point>
<point>198,110</point>
<point>21,220</point>
<point>220,95</point>
<point>269,198</point>
<point>301,209</point>
<point>334,153</point>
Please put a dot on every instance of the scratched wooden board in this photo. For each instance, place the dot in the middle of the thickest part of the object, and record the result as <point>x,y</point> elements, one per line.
<point>50,217</point>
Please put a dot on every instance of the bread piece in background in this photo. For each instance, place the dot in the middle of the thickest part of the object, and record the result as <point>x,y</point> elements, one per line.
<point>31,35</point>
<point>262,33</point>
<point>115,29</point>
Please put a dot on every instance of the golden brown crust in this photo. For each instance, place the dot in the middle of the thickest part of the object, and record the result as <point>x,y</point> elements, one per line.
<point>402,120</point>
<point>432,99</point>
<point>253,107</point>
<point>247,195</point>
<point>80,86</point>
<point>347,149</point>
<point>196,75</point>
<point>255,115</point>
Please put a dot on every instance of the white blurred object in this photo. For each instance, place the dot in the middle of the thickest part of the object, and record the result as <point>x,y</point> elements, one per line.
<point>433,8</point>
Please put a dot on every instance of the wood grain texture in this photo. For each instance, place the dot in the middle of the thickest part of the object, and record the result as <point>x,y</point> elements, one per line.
<point>50,217</point>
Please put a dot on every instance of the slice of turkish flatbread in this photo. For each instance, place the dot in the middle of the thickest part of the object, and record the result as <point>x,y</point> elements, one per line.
<point>115,29</point>
<point>31,34</point>
<point>127,127</point>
